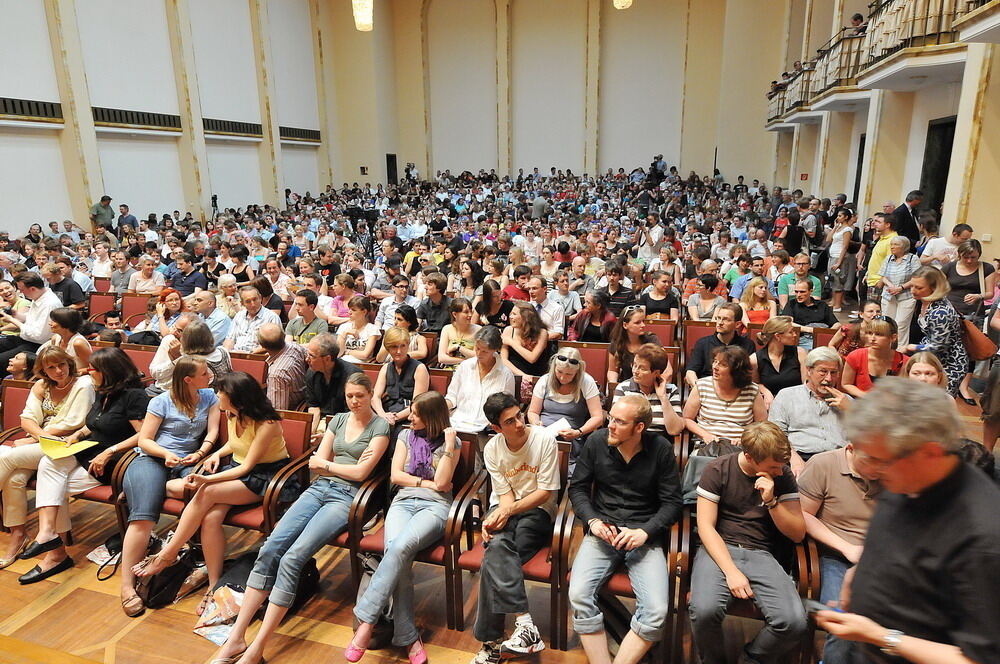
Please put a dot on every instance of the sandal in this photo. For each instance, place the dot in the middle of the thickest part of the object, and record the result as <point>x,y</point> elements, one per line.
<point>203,604</point>
<point>133,606</point>
<point>417,656</point>
<point>142,569</point>
<point>229,660</point>
<point>7,562</point>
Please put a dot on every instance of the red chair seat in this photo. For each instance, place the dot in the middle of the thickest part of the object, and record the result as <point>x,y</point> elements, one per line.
<point>537,569</point>
<point>101,494</point>
<point>251,518</point>
<point>341,540</point>
<point>173,506</point>
<point>619,584</point>
<point>375,543</point>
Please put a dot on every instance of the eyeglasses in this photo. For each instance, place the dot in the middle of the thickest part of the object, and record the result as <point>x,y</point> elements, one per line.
<point>620,422</point>
<point>569,360</point>
<point>878,464</point>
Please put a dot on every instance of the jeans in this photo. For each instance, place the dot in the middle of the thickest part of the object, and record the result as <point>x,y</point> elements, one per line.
<point>773,593</point>
<point>501,579</point>
<point>319,514</point>
<point>411,525</point>
<point>832,570</point>
<point>595,562</point>
<point>145,485</point>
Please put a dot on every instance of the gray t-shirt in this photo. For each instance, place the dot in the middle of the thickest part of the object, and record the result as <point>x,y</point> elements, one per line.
<point>350,451</point>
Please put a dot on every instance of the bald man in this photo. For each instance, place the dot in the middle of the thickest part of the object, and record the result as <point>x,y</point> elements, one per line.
<point>286,367</point>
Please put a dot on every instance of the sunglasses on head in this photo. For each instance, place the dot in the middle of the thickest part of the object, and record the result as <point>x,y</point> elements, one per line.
<point>569,360</point>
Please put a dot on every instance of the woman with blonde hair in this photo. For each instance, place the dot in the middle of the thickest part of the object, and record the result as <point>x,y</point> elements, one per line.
<point>567,392</point>
<point>400,379</point>
<point>940,323</point>
<point>57,406</point>
<point>927,368</point>
<point>780,363</point>
<point>758,303</point>
<point>878,358</point>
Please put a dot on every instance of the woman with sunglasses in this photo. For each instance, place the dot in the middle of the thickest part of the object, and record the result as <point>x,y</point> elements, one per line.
<point>567,392</point>
<point>628,335</point>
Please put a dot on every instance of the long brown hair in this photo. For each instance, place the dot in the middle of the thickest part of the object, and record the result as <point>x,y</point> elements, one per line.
<point>186,367</point>
<point>53,355</point>
<point>433,412</point>
<point>531,323</point>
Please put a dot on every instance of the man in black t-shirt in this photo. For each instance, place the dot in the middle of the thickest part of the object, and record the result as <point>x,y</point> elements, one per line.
<point>748,507</point>
<point>68,290</point>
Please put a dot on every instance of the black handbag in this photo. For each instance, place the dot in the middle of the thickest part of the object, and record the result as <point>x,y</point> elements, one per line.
<point>161,589</point>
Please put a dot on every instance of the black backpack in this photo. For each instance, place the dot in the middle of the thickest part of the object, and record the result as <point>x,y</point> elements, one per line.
<point>696,463</point>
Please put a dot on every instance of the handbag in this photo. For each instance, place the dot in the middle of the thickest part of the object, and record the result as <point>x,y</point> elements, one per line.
<point>161,589</point>
<point>978,345</point>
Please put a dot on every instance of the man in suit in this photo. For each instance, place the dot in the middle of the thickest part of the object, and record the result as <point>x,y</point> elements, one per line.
<point>906,218</point>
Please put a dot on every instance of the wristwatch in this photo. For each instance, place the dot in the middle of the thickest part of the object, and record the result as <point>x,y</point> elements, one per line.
<point>891,641</point>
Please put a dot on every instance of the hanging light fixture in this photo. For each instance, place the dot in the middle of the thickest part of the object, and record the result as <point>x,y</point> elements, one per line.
<point>621,4</point>
<point>364,14</point>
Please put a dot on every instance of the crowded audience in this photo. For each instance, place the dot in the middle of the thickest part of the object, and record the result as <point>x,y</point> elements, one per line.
<point>517,314</point>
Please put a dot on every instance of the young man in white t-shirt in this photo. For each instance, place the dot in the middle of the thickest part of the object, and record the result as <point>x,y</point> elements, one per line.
<point>522,461</point>
<point>941,250</point>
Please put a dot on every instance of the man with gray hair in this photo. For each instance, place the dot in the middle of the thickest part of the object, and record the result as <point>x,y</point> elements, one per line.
<point>809,414</point>
<point>286,367</point>
<point>926,587</point>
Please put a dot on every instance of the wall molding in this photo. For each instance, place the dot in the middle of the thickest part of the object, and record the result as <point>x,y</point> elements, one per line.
<point>233,128</point>
<point>120,117</point>
<point>44,111</point>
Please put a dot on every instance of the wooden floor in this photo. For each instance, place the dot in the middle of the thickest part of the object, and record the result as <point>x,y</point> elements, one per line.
<point>76,614</point>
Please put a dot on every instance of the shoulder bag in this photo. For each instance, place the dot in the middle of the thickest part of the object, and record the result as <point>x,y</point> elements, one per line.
<point>978,345</point>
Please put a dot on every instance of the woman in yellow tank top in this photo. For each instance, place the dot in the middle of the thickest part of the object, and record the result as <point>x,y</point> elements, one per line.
<point>257,451</point>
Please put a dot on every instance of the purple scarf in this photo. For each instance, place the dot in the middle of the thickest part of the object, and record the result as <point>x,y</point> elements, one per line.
<point>421,461</point>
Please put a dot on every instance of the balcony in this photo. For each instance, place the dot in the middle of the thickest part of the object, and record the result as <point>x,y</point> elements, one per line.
<point>910,44</point>
<point>981,23</point>
<point>837,65</point>
<point>776,105</point>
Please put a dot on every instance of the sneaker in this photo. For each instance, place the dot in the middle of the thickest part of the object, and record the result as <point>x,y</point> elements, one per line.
<point>524,641</point>
<point>489,653</point>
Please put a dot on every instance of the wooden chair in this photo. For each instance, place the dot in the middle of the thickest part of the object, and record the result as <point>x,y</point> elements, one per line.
<point>440,553</point>
<point>296,428</point>
<point>822,336</point>
<point>432,347</point>
<point>14,398</point>
<point>544,566</point>
<point>372,370</point>
<point>253,364</point>
<point>805,571</point>
<point>694,330</point>
<point>102,284</point>
<point>440,379</point>
<point>99,304</point>
<point>753,331</point>
<point>596,356</point>
<point>133,304</point>
<point>664,328</point>
<point>141,355</point>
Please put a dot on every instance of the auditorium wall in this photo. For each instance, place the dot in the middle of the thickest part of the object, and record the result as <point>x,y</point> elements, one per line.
<point>141,170</point>
<point>456,84</point>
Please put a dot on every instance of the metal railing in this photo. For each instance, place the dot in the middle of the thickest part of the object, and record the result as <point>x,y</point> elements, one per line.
<point>838,62</point>
<point>776,105</point>
<point>799,86</point>
<point>897,24</point>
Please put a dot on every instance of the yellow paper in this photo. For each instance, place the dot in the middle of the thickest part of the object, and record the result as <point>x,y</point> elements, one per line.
<point>56,448</point>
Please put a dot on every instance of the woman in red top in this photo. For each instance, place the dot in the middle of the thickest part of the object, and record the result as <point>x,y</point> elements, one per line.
<point>848,337</point>
<point>877,359</point>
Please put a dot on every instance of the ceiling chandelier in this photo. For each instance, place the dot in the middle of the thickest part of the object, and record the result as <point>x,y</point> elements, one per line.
<point>364,11</point>
<point>622,4</point>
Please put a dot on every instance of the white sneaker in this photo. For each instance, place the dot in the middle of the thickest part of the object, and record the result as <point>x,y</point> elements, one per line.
<point>524,641</point>
<point>489,653</point>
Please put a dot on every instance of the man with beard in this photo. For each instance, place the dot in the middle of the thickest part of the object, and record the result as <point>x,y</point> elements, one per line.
<point>626,490</point>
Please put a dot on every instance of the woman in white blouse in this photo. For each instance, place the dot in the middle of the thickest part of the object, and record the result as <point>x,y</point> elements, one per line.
<point>57,406</point>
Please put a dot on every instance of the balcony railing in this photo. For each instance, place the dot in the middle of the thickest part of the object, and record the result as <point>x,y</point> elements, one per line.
<point>799,88</point>
<point>838,61</point>
<point>776,105</point>
<point>897,24</point>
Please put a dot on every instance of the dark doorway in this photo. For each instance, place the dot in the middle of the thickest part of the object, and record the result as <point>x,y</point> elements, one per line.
<point>857,170</point>
<point>391,176</point>
<point>937,159</point>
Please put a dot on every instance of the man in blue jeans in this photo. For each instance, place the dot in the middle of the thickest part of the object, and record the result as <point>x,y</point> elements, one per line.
<point>748,507</point>
<point>838,494</point>
<point>522,461</point>
<point>627,491</point>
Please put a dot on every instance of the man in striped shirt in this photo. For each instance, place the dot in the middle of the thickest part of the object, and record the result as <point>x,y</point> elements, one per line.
<point>286,367</point>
